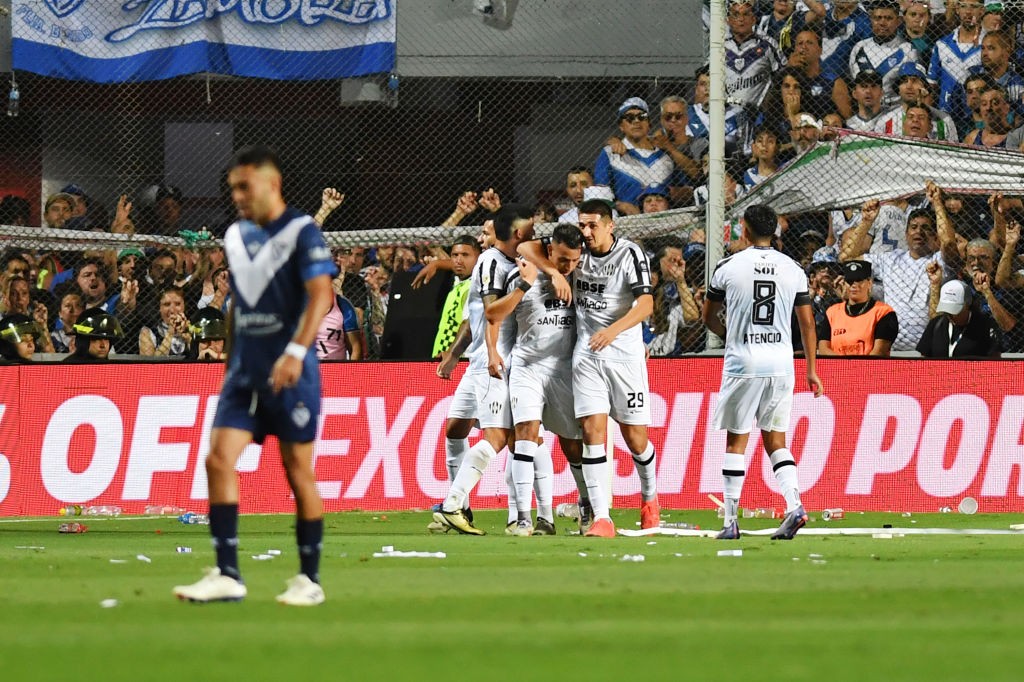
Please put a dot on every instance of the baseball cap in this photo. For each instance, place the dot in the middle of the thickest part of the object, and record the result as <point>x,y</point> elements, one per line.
<point>954,297</point>
<point>807,121</point>
<point>60,196</point>
<point>868,77</point>
<point>856,270</point>
<point>74,189</point>
<point>993,7</point>
<point>633,103</point>
<point>656,190</point>
<point>131,251</point>
<point>826,254</point>
<point>910,70</point>
<point>167,191</point>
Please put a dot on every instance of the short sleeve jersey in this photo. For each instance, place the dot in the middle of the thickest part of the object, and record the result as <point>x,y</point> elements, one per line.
<point>760,287</point>
<point>546,325</point>
<point>269,267</point>
<point>605,288</point>
<point>490,274</point>
<point>331,342</point>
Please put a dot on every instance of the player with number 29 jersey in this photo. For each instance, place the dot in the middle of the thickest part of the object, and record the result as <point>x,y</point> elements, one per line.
<point>760,287</point>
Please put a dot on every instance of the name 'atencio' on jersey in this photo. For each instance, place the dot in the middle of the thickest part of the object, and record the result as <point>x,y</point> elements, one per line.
<point>605,287</point>
<point>760,287</point>
<point>269,267</point>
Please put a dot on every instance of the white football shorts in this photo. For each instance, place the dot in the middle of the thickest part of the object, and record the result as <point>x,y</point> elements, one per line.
<point>742,399</point>
<point>543,391</point>
<point>619,389</point>
<point>482,397</point>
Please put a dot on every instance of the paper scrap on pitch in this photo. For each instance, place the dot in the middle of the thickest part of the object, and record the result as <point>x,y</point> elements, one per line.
<point>143,558</point>
<point>730,552</point>
<point>35,547</point>
<point>635,558</point>
<point>118,561</point>
<point>262,557</point>
<point>109,603</point>
<point>392,554</point>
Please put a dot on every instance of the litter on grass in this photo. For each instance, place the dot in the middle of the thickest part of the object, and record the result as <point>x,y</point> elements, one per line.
<point>143,558</point>
<point>35,547</point>
<point>262,557</point>
<point>392,554</point>
<point>118,561</point>
<point>635,558</point>
<point>109,603</point>
<point>730,552</point>
<point>1016,529</point>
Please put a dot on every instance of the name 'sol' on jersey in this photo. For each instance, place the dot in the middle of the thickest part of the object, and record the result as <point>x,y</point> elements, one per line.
<point>269,267</point>
<point>605,287</point>
<point>547,325</point>
<point>760,287</point>
<point>490,275</point>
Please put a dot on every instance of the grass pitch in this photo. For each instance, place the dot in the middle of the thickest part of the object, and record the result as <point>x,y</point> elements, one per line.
<point>912,608</point>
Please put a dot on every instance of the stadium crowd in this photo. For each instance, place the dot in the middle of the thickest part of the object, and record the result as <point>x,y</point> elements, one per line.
<point>796,73</point>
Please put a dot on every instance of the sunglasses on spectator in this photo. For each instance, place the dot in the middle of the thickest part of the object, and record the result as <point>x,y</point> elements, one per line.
<point>633,118</point>
<point>674,116</point>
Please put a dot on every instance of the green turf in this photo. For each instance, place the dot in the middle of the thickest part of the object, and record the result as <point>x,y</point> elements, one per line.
<point>912,608</point>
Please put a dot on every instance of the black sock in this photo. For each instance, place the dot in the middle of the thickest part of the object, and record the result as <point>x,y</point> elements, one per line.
<point>224,530</point>
<point>309,536</point>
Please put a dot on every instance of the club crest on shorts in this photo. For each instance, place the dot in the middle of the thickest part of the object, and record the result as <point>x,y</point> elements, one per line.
<point>300,415</point>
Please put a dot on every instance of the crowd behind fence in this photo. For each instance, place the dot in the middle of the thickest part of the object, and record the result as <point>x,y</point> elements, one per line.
<point>142,163</point>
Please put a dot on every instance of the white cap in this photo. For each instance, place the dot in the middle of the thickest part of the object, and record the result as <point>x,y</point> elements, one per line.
<point>954,298</point>
<point>805,120</point>
<point>603,192</point>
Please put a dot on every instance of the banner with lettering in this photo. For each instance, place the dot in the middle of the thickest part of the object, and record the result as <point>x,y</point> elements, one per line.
<point>900,435</point>
<point>103,41</point>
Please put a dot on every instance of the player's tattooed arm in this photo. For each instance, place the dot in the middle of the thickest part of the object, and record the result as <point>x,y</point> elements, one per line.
<point>534,252</point>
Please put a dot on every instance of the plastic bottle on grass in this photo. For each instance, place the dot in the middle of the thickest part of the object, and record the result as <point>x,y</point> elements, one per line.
<point>163,510</point>
<point>191,518</point>
<point>90,510</point>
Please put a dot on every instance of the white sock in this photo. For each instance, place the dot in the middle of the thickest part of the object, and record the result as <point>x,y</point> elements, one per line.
<point>733,474</point>
<point>473,466</point>
<point>645,467</point>
<point>454,450</point>
<point>785,473</point>
<point>522,466</point>
<point>510,487</point>
<point>544,483</point>
<point>595,472</point>
<point>581,484</point>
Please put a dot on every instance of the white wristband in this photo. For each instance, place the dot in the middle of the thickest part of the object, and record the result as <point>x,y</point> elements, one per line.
<point>296,350</point>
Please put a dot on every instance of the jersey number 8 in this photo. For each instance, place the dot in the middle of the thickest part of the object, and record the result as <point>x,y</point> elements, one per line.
<point>763,312</point>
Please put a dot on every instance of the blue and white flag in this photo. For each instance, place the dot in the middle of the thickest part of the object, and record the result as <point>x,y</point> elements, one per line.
<point>118,41</point>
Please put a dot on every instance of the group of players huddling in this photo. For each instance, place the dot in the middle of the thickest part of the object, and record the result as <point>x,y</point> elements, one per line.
<point>554,338</point>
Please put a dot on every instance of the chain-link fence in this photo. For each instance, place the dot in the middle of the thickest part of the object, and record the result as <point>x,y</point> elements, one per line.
<point>534,102</point>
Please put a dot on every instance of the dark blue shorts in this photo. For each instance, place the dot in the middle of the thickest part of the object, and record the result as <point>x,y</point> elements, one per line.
<point>291,415</point>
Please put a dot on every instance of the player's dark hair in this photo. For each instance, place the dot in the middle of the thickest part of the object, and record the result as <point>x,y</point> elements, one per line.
<point>567,235</point>
<point>467,240</point>
<point>505,220</point>
<point>761,220</point>
<point>598,206</point>
<point>257,155</point>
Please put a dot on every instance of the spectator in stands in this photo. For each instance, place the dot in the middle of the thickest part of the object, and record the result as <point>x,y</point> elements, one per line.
<point>886,50</point>
<point>824,91</point>
<point>825,283</point>
<point>340,335</point>
<point>782,24</point>
<point>764,158</point>
<point>692,337</point>
<point>698,126</point>
<point>916,24</point>
<point>18,334</point>
<point>63,334</point>
<point>209,333</point>
<point>997,117</point>
<point>804,133</point>
<point>912,87</point>
<point>544,212</point>
<point>1002,305</point>
<point>378,280</point>
<point>80,205</point>
<point>642,164</point>
<point>992,19</point>
<point>58,210</point>
<point>971,119</point>
<point>903,273</point>
<point>674,305</point>
<point>350,260</point>
<point>844,24</point>
<point>654,200</point>
<point>576,181</point>
<point>167,211</point>
<point>465,252</point>
<point>602,192</point>
<point>218,295</point>
<point>867,93</point>
<point>750,59</point>
<point>91,283</point>
<point>172,335</point>
<point>15,265</point>
<point>954,55</point>
<point>917,122</point>
<point>209,259</point>
<point>128,262</point>
<point>732,182</point>
<point>96,332</point>
<point>860,325</point>
<point>960,329</point>
<point>15,210</point>
<point>782,102</point>
<point>996,53</point>
<point>674,139</point>
<point>17,300</point>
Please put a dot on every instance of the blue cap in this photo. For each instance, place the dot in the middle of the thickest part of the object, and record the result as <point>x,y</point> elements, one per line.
<point>633,103</point>
<point>912,70</point>
<point>694,249</point>
<point>826,254</point>
<point>74,189</point>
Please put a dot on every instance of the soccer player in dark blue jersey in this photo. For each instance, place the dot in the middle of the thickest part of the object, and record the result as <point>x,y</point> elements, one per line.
<point>281,272</point>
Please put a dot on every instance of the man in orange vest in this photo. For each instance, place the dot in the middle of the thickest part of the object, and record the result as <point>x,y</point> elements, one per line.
<point>860,325</point>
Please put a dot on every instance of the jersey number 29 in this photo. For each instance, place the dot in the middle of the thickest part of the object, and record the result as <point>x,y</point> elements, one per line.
<point>763,311</point>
